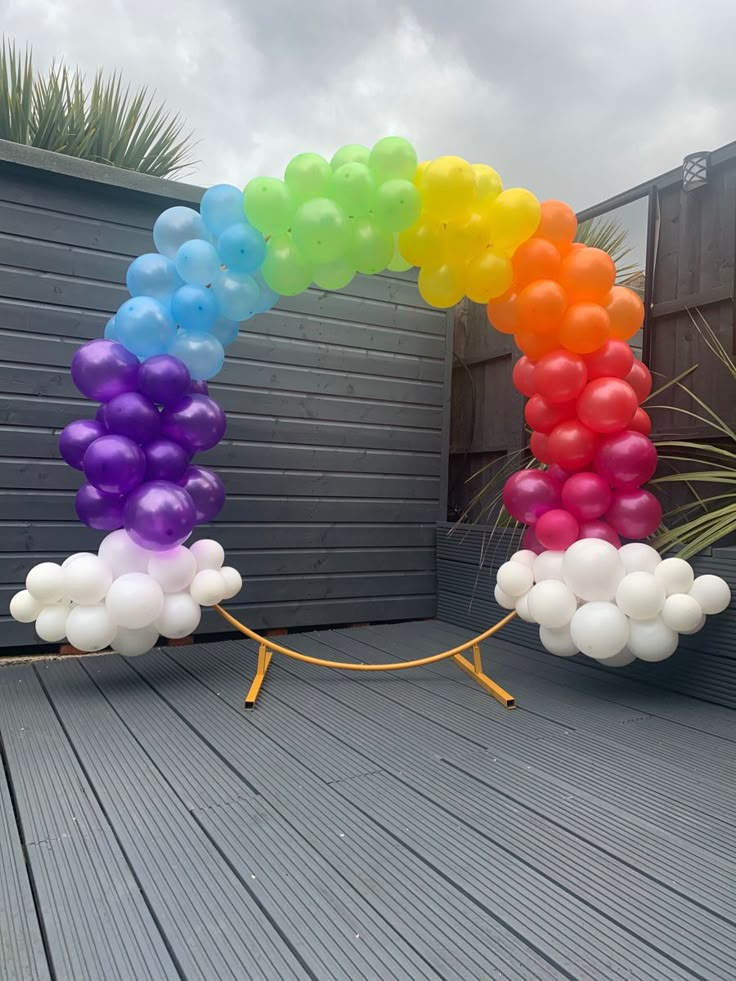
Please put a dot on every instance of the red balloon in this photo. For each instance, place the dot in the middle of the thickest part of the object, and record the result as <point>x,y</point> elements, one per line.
<point>557,530</point>
<point>599,529</point>
<point>615,359</point>
<point>539,445</point>
<point>607,405</point>
<point>560,376</point>
<point>523,376</point>
<point>641,423</point>
<point>640,379</point>
<point>626,460</point>
<point>572,445</point>
<point>586,496</point>
<point>635,514</point>
<point>543,416</point>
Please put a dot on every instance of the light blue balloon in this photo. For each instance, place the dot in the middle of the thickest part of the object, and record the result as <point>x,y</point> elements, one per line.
<point>197,262</point>
<point>241,248</point>
<point>237,295</point>
<point>221,205</point>
<point>225,331</point>
<point>267,298</point>
<point>174,227</point>
<point>194,308</point>
<point>144,326</point>
<point>152,275</point>
<point>203,354</point>
<point>111,330</point>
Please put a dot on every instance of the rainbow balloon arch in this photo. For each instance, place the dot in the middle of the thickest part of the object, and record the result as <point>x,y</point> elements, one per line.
<point>363,212</point>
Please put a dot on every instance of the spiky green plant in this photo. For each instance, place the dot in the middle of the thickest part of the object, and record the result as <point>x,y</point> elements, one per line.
<point>611,236</point>
<point>106,122</point>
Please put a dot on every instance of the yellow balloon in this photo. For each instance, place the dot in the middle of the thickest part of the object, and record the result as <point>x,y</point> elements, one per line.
<point>448,187</point>
<point>424,243</point>
<point>514,216</point>
<point>466,239</point>
<point>488,185</point>
<point>488,275</point>
<point>441,286</point>
<point>419,175</point>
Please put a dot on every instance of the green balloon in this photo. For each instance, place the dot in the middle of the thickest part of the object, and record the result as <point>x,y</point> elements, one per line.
<point>398,205</point>
<point>398,262</point>
<point>334,275</point>
<point>393,157</point>
<point>321,231</point>
<point>269,206</point>
<point>308,176</point>
<point>372,247</point>
<point>285,269</point>
<point>351,153</point>
<point>354,189</point>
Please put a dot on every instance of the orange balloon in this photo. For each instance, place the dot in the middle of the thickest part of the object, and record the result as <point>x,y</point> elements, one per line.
<point>535,345</point>
<point>626,312</point>
<point>558,223</point>
<point>535,259</point>
<point>541,306</point>
<point>585,327</point>
<point>587,275</point>
<point>503,313</point>
<point>641,423</point>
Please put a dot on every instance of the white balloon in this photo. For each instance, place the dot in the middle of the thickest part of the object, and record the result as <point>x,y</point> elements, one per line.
<point>592,569</point>
<point>600,630</point>
<point>515,579</point>
<point>233,581</point>
<point>548,565</point>
<point>525,556</point>
<point>640,595</point>
<point>712,593</point>
<point>121,554</point>
<point>133,643</point>
<point>45,582</point>
<point>552,604</point>
<point>25,608</point>
<point>90,628</point>
<point>208,588</point>
<point>51,622</point>
<point>638,557</point>
<point>134,600</point>
<point>652,640</point>
<point>682,613</point>
<point>173,569</point>
<point>522,608</point>
<point>676,575</point>
<point>208,553</point>
<point>619,660</point>
<point>86,580</point>
<point>558,641</point>
<point>505,601</point>
<point>73,558</point>
<point>180,616</point>
<point>695,630</point>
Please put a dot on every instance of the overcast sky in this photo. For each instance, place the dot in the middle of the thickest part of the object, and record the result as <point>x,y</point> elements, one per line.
<point>575,99</point>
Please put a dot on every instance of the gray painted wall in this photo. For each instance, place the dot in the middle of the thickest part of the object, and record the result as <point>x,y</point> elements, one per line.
<point>335,456</point>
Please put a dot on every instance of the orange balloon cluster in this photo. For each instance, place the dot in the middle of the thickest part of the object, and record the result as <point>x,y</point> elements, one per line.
<point>564,293</point>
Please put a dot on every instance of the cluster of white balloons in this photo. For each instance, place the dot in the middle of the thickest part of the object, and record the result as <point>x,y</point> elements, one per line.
<point>125,597</point>
<point>614,605</point>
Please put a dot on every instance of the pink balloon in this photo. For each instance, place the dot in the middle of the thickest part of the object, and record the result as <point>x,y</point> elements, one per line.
<point>531,542</point>
<point>557,530</point>
<point>558,474</point>
<point>586,496</point>
<point>635,514</point>
<point>599,529</point>
<point>626,460</point>
<point>527,494</point>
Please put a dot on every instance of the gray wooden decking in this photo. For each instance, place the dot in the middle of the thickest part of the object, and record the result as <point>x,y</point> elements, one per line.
<point>361,826</point>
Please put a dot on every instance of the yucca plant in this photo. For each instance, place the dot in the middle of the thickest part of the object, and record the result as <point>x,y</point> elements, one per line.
<point>610,235</point>
<point>105,122</point>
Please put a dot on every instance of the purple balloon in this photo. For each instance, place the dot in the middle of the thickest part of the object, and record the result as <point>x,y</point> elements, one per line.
<point>528,494</point>
<point>206,490</point>
<point>103,369</point>
<point>199,388</point>
<point>133,415</point>
<point>159,515</point>
<point>100,415</point>
<point>114,464</point>
<point>626,460</point>
<point>76,438</point>
<point>164,379</point>
<point>196,422</point>
<point>165,460</point>
<point>101,511</point>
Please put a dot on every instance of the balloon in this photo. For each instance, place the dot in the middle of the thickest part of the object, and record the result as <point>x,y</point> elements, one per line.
<point>76,438</point>
<point>626,312</point>
<point>307,176</point>
<point>203,354</point>
<point>558,224</point>
<point>614,358</point>
<point>197,262</point>
<point>524,377</point>
<point>543,416</point>
<point>467,238</point>
<point>198,388</point>
<point>134,600</point>
<point>503,314</point>
<point>530,542</point>
<point>89,628</point>
<point>626,460</point>
<point>514,579</point>
<point>586,496</point>
<point>165,460</point>
<point>321,230</point>
<point>196,422</point>
<point>560,376</point>
<point>522,608</point>
<point>103,512</point>
<point>528,494</point>
<point>371,247</point>
<point>558,642</point>
<point>682,613</point>
<point>676,576</point>
<point>284,269</point>
<point>424,243</point>
<point>51,623</point>
<point>599,630</point>
<point>525,556</point>
<point>440,287</point>
<point>557,474</point>
<point>194,308</point>
<point>541,306</point>
<point>587,275</point>
<point>350,153</point>
<point>103,369</point>
<point>334,275</point>
<point>45,582</point>
<point>539,445</point>
<point>163,379</point>
<point>111,332</point>
<point>592,570</point>
<point>121,554</point>
<point>638,557</point>
<point>487,276</point>
<point>487,185</point>
<point>133,415</point>
<point>535,259</point>
<point>134,643</point>
<point>712,593</point>
<point>24,607</point>
<point>504,601</point>
<point>269,205</point>
<point>180,616</point>
<point>87,580</point>
<point>241,248</point>
<point>206,490</point>
<point>548,566</point>
<point>572,445</point>
<point>641,596</point>
<point>397,205</point>
<point>552,604</point>
<point>535,345</point>
<point>634,513</point>
<point>145,326</point>
<point>220,207</point>
<point>393,157</point>
<point>448,187</point>
<point>607,405</point>
<point>159,516</point>
<point>640,379</point>
<point>208,588</point>
<point>236,294</point>
<point>596,528</point>
<point>173,570</point>
<point>398,263</point>
<point>174,227</point>
<point>514,217</point>
<point>233,582</point>
<point>584,328</point>
<point>153,275</point>
<point>652,640</point>
<point>557,530</point>
<point>208,553</point>
<point>619,660</point>
<point>226,331</point>
<point>114,464</point>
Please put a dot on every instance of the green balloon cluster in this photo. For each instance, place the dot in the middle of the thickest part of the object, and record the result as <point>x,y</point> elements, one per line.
<point>326,221</point>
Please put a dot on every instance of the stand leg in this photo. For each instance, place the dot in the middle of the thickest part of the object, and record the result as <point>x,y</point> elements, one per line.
<point>475,670</point>
<point>264,659</point>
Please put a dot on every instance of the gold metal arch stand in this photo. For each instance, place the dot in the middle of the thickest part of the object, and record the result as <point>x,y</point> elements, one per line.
<point>267,648</point>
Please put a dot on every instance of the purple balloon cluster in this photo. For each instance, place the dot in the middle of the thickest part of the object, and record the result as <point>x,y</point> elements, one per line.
<point>136,454</point>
